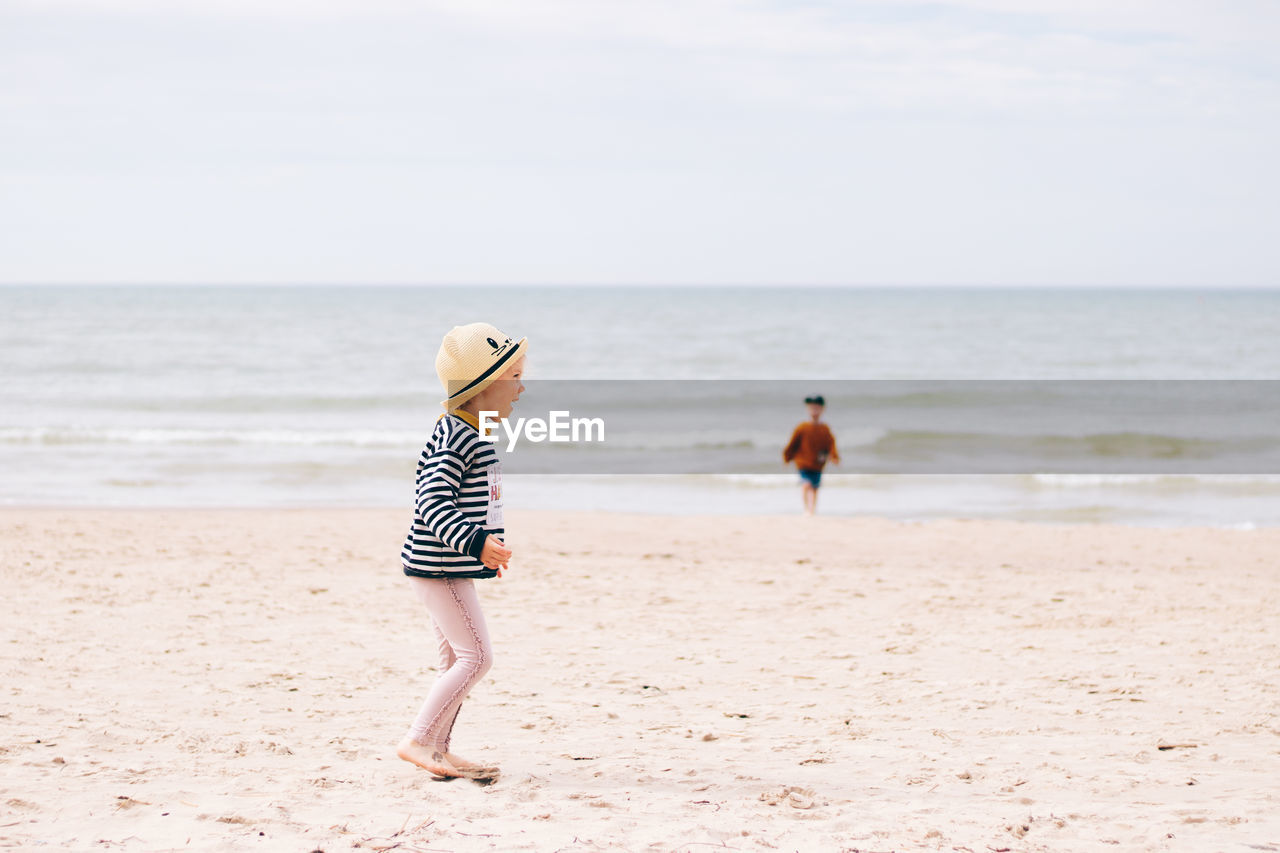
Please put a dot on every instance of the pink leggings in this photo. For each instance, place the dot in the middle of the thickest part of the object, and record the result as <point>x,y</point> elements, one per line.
<point>465,655</point>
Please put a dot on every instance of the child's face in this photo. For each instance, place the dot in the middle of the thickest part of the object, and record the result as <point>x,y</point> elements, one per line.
<point>501,396</point>
<point>815,410</point>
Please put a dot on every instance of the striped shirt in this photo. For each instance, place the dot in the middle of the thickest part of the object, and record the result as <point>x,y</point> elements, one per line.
<point>458,474</point>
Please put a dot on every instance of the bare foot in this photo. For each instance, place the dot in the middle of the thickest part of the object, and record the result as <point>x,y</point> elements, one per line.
<point>427,758</point>
<point>471,768</point>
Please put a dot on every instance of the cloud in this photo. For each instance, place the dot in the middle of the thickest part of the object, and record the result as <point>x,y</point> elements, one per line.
<point>974,140</point>
<point>1215,25</point>
<point>1166,58</point>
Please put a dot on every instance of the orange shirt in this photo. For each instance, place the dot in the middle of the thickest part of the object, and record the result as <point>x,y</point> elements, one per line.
<point>810,445</point>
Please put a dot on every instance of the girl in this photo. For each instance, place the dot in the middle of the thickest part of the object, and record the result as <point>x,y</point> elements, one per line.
<point>457,532</point>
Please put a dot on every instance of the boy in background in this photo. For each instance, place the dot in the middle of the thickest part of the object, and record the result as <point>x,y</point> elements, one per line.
<point>811,445</point>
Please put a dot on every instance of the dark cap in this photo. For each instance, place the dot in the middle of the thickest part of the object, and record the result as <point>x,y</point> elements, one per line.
<point>817,398</point>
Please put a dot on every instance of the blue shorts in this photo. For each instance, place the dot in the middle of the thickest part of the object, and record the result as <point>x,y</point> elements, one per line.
<point>812,476</point>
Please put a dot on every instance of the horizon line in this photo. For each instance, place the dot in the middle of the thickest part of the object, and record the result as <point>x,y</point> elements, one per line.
<point>637,284</point>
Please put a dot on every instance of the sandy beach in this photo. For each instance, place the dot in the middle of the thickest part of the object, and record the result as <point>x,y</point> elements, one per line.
<point>238,680</point>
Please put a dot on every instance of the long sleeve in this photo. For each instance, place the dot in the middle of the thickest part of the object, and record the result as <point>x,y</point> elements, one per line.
<point>793,446</point>
<point>439,480</point>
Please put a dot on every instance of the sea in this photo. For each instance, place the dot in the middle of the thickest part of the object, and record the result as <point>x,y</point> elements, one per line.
<point>322,396</point>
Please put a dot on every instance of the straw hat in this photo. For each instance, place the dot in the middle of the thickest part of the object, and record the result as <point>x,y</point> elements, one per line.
<point>471,358</point>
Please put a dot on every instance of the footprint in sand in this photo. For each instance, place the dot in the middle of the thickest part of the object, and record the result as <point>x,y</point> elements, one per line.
<point>791,795</point>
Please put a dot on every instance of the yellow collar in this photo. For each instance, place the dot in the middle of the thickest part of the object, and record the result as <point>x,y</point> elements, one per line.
<point>466,417</point>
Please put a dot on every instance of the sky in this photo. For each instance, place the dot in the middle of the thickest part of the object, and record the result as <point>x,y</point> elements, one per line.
<point>1005,142</point>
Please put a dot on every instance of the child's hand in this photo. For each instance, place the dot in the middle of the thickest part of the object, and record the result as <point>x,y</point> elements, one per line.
<point>495,554</point>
